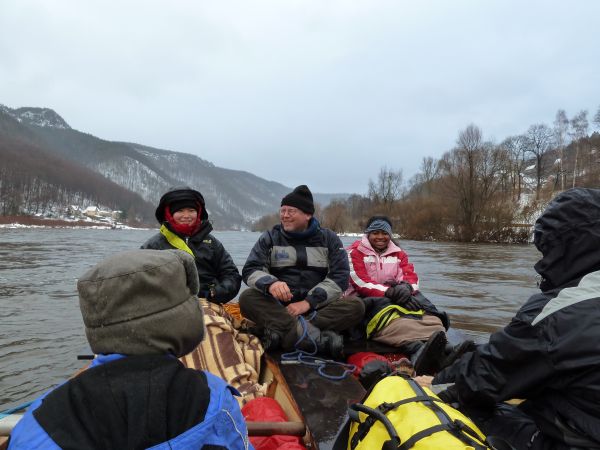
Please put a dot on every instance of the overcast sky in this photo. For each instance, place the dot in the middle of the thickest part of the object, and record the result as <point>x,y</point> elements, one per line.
<point>302,91</point>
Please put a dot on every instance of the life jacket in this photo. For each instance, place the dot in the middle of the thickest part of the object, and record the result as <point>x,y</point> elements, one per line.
<point>400,414</point>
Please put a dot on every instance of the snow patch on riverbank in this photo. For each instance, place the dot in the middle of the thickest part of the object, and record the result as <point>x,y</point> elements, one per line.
<point>71,227</point>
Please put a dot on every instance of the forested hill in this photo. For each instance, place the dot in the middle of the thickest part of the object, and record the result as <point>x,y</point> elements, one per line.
<point>45,166</point>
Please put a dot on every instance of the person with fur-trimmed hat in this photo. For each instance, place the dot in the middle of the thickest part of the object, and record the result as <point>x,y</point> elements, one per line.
<point>298,269</point>
<point>141,312</point>
<point>184,225</point>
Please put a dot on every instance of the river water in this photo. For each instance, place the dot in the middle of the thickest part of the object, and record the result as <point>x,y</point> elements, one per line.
<point>41,330</point>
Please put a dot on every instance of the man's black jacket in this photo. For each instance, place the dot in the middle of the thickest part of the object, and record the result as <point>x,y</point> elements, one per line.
<point>313,263</point>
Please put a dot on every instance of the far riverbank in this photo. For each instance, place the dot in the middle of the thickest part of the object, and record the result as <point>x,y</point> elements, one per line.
<point>522,235</point>
<point>32,221</point>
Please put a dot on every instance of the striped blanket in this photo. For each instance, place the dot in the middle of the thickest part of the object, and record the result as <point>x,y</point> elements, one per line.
<point>228,353</point>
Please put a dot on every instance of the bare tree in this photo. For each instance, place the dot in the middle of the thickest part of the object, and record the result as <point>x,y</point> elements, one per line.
<point>561,129</point>
<point>387,189</point>
<point>539,141</point>
<point>422,182</point>
<point>335,216</point>
<point>471,175</point>
<point>597,118</point>
<point>579,128</point>
<point>516,146</point>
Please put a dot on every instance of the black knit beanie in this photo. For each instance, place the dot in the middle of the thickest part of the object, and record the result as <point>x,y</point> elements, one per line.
<point>300,198</point>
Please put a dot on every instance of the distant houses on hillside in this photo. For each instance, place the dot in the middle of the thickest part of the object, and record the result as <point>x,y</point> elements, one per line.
<point>94,213</point>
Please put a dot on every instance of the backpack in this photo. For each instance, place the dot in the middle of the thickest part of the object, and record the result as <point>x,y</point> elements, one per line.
<point>398,413</point>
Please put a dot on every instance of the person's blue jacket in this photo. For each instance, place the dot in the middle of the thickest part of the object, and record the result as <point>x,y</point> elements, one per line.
<point>134,402</point>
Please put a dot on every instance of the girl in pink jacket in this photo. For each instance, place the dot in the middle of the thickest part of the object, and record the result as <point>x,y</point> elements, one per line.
<point>397,313</point>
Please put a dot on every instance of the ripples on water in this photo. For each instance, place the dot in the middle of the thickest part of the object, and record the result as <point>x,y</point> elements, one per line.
<point>41,331</point>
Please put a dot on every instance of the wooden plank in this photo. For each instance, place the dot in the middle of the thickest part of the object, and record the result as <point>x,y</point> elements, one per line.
<point>271,428</point>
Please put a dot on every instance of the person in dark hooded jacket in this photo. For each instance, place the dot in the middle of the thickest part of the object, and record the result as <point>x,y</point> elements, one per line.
<point>184,225</point>
<point>549,354</point>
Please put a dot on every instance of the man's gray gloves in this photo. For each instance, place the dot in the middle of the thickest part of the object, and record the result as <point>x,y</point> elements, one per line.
<point>401,295</point>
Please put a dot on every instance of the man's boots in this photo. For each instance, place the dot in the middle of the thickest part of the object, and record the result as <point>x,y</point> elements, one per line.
<point>270,339</point>
<point>326,342</point>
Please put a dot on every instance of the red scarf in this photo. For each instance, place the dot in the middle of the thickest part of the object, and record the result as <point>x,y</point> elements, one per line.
<point>184,228</point>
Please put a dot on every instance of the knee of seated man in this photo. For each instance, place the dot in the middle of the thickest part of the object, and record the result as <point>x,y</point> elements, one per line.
<point>355,305</point>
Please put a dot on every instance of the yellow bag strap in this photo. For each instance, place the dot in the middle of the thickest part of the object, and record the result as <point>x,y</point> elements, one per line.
<point>456,427</point>
<point>386,315</point>
<point>175,240</point>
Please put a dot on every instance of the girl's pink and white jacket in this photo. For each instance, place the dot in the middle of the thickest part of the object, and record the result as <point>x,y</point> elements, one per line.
<point>369,269</point>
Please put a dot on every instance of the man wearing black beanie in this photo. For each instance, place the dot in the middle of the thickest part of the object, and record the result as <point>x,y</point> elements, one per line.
<point>298,269</point>
<point>301,198</point>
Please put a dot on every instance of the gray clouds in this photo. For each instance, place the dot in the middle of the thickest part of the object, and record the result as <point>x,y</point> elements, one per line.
<point>316,92</point>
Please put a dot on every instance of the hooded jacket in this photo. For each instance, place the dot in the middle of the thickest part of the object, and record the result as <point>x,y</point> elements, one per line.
<point>549,354</point>
<point>216,269</point>
<point>370,269</point>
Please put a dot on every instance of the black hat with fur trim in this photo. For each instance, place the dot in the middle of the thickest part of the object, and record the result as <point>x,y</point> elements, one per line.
<point>180,197</point>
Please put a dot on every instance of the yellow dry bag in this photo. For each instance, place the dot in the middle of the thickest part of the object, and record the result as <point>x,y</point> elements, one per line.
<point>400,414</point>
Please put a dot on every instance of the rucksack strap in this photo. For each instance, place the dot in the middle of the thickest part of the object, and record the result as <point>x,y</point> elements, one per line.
<point>373,415</point>
<point>423,434</point>
<point>387,407</point>
<point>458,428</point>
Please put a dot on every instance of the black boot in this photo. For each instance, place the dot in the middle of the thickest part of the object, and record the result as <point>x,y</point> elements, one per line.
<point>429,358</point>
<point>331,343</point>
<point>323,342</point>
<point>270,339</point>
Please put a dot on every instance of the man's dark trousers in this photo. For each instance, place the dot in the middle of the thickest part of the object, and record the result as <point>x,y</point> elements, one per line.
<point>267,312</point>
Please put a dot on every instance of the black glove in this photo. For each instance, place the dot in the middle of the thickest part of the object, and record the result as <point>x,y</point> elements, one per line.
<point>391,282</point>
<point>401,295</point>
